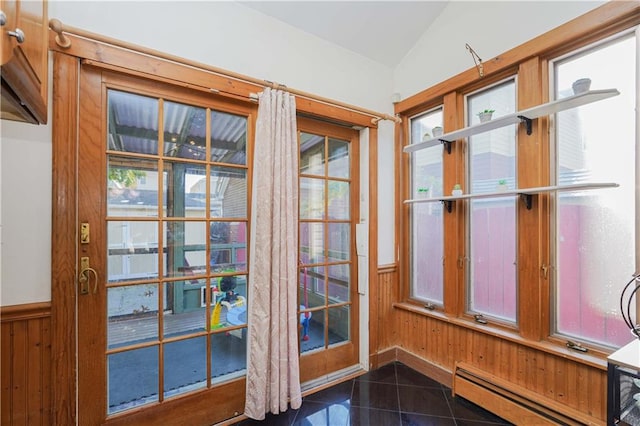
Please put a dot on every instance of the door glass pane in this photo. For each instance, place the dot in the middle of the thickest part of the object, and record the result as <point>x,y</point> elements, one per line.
<point>185,189</point>
<point>228,138</point>
<point>311,154</point>
<point>133,378</point>
<point>132,190</point>
<point>185,128</point>
<point>132,250</point>
<point>311,242</point>
<point>492,221</point>
<point>339,283</point>
<point>228,192</point>
<point>311,198</point>
<point>184,310</point>
<point>312,331</point>
<point>339,324</point>
<point>132,123</point>
<point>339,241</point>
<point>427,240</point>
<point>339,164</point>
<point>132,314</point>
<point>185,248</point>
<point>596,231</point>
<point>228,355</point>
<point>228,245</point>
<point>338,200</point>
<point>185,366</point>
<point>312,286</point>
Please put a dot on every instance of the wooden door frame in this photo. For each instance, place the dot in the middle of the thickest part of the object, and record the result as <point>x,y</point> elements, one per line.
<point>65,134</point>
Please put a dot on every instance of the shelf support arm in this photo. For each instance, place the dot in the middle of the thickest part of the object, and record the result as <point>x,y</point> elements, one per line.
<point>527,122</point>
<point>447,145</point>
<point>526,198</point>
<point>448,204</point>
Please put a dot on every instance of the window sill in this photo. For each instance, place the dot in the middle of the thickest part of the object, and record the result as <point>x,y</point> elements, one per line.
<point>548,347</point>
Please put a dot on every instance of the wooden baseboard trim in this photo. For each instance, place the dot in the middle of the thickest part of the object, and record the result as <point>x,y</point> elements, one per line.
<point>429,369</point>
<point>25,311</point>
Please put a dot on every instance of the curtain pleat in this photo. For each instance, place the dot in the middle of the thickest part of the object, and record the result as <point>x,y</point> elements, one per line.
<point>273,379</point>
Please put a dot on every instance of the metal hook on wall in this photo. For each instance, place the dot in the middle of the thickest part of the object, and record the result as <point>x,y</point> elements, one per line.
<point>476,59</point>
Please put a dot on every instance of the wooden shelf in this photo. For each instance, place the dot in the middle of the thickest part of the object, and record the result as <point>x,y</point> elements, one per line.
<point>517,117</point>
<point>525,193</point>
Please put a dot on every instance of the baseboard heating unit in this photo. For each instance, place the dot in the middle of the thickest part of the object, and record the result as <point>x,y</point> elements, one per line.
<point>512,402</point>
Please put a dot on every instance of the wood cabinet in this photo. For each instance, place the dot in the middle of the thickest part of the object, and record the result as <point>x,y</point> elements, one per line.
<point>24,62</point>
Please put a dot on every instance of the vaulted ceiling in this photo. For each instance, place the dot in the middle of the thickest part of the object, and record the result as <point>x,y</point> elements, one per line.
<point>384,31</point>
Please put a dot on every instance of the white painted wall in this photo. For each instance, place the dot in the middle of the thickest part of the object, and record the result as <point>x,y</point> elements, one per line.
<point>490,28</point>
<point>237,38</point>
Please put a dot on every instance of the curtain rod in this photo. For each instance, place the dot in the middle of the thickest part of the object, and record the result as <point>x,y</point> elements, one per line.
<point>61,40</point>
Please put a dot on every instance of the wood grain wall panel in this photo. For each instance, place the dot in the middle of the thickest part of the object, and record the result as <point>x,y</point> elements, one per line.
<point>388,331</point>
<point>440,343</point>
<point>26,364</point>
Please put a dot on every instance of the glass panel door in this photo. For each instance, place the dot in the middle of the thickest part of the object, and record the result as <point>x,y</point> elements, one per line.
<point>327,277</point>
<point>167,204</point>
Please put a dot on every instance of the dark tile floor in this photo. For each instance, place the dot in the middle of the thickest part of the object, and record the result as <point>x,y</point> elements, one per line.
<point>391,395</point>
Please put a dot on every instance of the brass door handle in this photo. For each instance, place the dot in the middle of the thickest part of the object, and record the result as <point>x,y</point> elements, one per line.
<point>84,277</point>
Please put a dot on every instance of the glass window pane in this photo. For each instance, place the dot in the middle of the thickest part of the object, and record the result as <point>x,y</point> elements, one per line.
<point>228,192</point>
<point>132,378</point>
<point>492,221</point>
<point>339,164</point>
<point>311,198</point>
<point>312,287</point>
<point>596,230</point>
<point>427,241</point>
<point>228,245</point>
<point>132,250</point>
<point>132,123</point>
<point>185,127</point>
<point>228,355</point>
<point>311,154</point>
<point>338,200</point>
<point>228,138</point>
<point>339,328</point>
<point>312,332</point>
<point>339,241</point>
<point>185,245</point>
<point>427,252</point>
<point>185,366</point>
<point>184,310</point>
<point>339,283</point>
<point>132,191</point>
<point>311,242</point>
<point>185,190</point>
<point>132,314</point>
<point>230,307</point>
<point>493,262</point>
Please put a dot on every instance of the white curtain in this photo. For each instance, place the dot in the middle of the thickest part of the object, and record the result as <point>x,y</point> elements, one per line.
<point>273,378</point>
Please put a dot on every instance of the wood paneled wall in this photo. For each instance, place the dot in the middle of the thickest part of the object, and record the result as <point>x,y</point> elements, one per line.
<point>433,345</point>
<point>25,364</point>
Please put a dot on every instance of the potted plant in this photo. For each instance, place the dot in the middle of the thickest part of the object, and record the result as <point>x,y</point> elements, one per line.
<point>581,85</point>
<point>457,190</point>
<point>423,193</point>
<point>437,131</point>
<point>485,115</point>
<point>502,185</point>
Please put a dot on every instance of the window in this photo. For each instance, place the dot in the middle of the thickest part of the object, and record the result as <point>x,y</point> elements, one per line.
<point>594,230</point>
<point>427,243</point>
<point>491,159</point>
